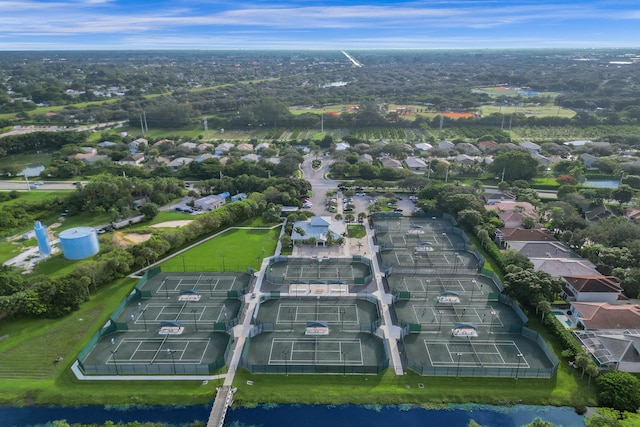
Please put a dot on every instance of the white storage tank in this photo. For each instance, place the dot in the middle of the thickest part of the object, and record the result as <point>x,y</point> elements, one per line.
<point>79,242</point>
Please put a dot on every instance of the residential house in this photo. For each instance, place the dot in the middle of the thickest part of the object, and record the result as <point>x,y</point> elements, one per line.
<point>465,159</point>
<point>178,162</point>
<point>496,198</point>
<point>204,146</point>
<point>446,145</point>
<point>613,349</point>
<point>591,288</point>
<point>238,197</point>
<point>588,159</point>
<point>204,156</point>
<point>531,147</point>
<point>223,148</point>
<point>487,145</point>
<point>274,160</point>
<point>318,228</point>
<point>107,144</point>
<point>515,219</point>
<point>466,148</point>
<point>506,235</point>
<point>341,146</point>
<point>509,211</point>
<point>544,250</point>
<point>416,165</point>
<point>592,316</point>
<point>366,158</point>
<point>423,147</point>
<point>209,203</point>
<point>132,160</point>
<point>250,158</point>
<point>139,144</point>
<point>632,214</point>
<point>388,162</point>
<point>261,146</point>
<point>245,147</point>
<point>163,141</point>
<point>599,212</point>
<point>507,203</point>
<point>89,158</point>
<point>558,267</point>
<point>541,159</point>
<point>188,145</point>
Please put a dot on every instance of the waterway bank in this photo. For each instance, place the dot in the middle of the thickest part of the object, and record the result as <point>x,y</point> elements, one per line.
<point>307,415</point>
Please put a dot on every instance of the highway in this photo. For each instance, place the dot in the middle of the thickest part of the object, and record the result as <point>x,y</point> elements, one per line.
<point>10,185</point>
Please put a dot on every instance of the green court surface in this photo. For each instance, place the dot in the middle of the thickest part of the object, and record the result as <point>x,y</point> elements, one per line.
<point>171,324</point>
<point>287,270</point>
<point>286,342</point>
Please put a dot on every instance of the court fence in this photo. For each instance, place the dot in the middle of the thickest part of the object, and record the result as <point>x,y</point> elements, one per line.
<point>281,280</point>
<point>259,326</point>
<point>122,368</point>
<point>293,368</point>
<point>518,371</point>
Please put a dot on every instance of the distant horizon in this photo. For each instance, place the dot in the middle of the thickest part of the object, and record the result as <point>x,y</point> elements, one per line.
<point>263,25</point>
<point>331,50</point>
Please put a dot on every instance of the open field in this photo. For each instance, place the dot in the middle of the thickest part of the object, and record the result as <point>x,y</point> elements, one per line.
<point>233,250</point>
<point>496,91</point>
<point>25,160</point>
<point>528,110</point>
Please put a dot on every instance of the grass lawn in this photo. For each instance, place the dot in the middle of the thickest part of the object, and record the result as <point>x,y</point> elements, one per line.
<point>30,376</point>
<point>356,231</point>
<point>547,181</point>
<point>548,110</point>
<point>25,160</point>
<point>57,265</point>
<point>233,250</point>
<point>388,388</point>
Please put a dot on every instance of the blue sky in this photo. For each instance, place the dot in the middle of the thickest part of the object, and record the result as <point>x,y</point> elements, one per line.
<point>314,24</point>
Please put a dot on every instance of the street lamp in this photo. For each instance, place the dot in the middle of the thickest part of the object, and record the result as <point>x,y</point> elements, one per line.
<point>210,287</point>
<point>173,360</point>
<point>342,319</point>
<point>115,362</point>
<point>473,287</point>
<point>195,321</point>
<point>520,356</point>
<point>223,267</point>
<point>291,318</point>
<point>458,370</point>
<point>285,354</point>
<point>440,312</point>
<point>444,236</point>
<point>344,364</point>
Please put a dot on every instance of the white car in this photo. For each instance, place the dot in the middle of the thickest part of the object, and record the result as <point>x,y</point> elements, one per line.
<point>307,205</point>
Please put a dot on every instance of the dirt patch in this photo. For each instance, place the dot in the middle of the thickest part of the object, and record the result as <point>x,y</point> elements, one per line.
<point>172,224</point>
<point>124,240</point>
<point>455,115</point>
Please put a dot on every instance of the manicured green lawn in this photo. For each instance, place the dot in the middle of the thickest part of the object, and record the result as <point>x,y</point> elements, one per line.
<point>233,250</point>
<point>389,388</point>
<point>57,265</point>
<point>356,231</point>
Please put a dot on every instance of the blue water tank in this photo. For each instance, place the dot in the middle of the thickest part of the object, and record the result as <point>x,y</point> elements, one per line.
<point>43,241</point>
<point>79,242</point>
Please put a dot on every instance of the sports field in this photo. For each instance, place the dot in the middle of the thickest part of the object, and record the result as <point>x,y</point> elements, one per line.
<point>316,335</point>
<point>292,271</point>
<point>172,324</point>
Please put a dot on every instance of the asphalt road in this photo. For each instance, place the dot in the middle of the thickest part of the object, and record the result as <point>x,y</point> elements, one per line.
<point>319,184</point>
<point>48,185</point>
